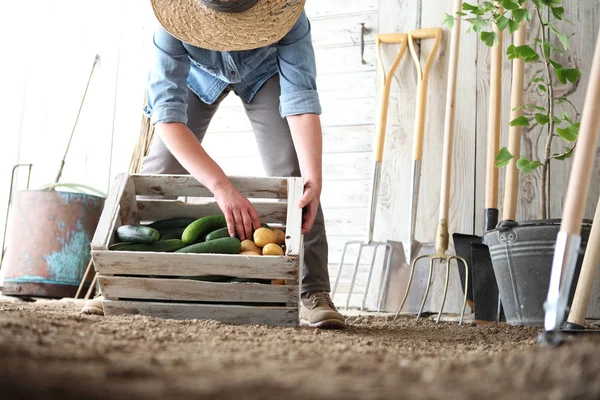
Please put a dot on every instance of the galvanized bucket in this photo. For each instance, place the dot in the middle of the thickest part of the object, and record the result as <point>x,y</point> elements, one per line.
<point>522,254</point>
<point>48,246</point>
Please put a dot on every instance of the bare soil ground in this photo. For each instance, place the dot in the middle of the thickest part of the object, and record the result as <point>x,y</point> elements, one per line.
<point>51,351</point>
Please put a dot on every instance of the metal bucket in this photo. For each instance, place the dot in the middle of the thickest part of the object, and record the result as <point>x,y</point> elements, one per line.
<point>522,254</point>
<point>48,246</point>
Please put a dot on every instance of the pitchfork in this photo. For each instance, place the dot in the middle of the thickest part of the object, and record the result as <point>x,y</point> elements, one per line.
<point>402,40</point>
<point>442,236</point>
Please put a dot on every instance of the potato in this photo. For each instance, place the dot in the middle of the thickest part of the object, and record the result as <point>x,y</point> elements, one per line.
<point>272,249</point>
<point>263,236</point>
<point>249,245</point>
<point>249,253</point>
<point>280,236</point>
<point>277,281</point>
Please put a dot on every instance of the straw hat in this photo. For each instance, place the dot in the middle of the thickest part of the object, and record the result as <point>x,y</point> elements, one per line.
<point>228,25</point>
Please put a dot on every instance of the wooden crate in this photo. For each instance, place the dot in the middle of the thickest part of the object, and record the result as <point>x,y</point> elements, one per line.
<point>160,284</point>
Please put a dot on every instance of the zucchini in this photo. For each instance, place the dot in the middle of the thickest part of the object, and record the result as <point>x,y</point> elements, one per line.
<point>137,234</point>
<point>119,246</point>
<point>223,233</point>
<point>171,234</point>
<point>198,229</point>
<point>171,223</point>
<point>218,246</point>
<point>162,246</point>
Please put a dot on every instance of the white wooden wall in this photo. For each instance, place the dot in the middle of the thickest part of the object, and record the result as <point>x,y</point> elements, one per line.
<point>50,47</point>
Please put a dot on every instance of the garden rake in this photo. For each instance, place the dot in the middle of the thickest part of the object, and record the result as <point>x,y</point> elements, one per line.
<point>442,236</point>
<point>402,40</point>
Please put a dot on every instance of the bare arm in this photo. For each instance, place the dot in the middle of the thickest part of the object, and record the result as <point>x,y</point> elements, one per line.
<point>182,143</point>
<point>308,141</point>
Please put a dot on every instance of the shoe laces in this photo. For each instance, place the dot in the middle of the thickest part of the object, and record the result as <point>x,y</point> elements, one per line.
<point>321,297</point>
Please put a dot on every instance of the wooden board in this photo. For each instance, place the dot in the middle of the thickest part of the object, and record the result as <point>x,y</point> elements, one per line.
<point>185,185</point>
<point>277,316</point>
<point>114,287</point>
<point>293,234</point>
<point>171,264</point>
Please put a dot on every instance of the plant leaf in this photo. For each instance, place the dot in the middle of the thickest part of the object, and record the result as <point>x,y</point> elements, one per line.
<point>558,12</point>
<point>519,14</point>
<point>520,121</point>
<point>543,88</point>
<point>542,119</point>
<point>569,133</point>
<point>566,117</point>
<point>469,7</point>
<point>448,21</point>
<point>535,107</point>
<point>503,157</point>
<point>567,154</point>
<point>560,74</point>
<point>509,4</point>
<point>572,74</point>
<point>489,38</point>
<point>502,22</point>
<point>526,165</point>
<point>513,26</point>
<point>564,40</point>
<point>555,65</point>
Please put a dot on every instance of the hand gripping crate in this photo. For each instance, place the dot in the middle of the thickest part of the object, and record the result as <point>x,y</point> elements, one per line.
<point>162,285</point>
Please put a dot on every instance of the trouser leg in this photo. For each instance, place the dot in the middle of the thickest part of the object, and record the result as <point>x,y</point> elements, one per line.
<point>279,158</point>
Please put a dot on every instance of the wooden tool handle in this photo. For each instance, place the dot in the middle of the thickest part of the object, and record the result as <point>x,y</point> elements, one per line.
<point>494,118</point>
<point>591,261</point>
<point>450,114</point>
<point>515,132</point>
<point>389,38</point>
<point>583,159</point>
<point>422,83</point>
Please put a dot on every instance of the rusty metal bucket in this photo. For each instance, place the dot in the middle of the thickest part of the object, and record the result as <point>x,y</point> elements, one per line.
<point>48,244</point>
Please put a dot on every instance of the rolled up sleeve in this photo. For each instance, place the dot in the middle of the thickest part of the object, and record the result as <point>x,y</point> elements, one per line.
<point>298,71</point>
<point>166,90</point>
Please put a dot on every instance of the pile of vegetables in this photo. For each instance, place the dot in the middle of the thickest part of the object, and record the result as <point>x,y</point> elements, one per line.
<point>204,235</point>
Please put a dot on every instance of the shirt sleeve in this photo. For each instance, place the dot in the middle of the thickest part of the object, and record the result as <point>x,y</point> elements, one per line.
<point>298,71</point>
<point>166,89</point>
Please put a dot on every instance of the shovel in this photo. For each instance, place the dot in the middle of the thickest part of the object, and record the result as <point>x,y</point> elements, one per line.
<point>568,240</point>
<point>392,38</point>
<point>483,291</point>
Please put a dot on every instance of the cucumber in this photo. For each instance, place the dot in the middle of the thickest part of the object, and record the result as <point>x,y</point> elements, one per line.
<point>198,229</point>
<point>223,233</point>
<point>171,223</point>
<point>171,234</point>
<point>218,246</point>
<point>137,234</point>
<point>119,246</point>
<point>162,246</point>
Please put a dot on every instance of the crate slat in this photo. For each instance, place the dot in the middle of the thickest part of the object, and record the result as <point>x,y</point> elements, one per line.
<point>105,229</point>
<point>277,316</point>
<point>293,233</point>
<point>185,185</point>
<point>115,287</point>
<point>151,210</point>
<point>179,264</point>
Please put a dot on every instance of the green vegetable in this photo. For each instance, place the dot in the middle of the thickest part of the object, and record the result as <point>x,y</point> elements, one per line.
<point>218,246</point>
<point>171,223</point>
<point>137,234</point>
<point>119,246</point>
<point>162,246</point>
<point>223,233</point>
<point>198,229</point>
<point>171,234</point>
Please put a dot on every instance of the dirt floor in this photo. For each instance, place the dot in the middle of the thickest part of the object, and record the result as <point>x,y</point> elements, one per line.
<point>52,351</point>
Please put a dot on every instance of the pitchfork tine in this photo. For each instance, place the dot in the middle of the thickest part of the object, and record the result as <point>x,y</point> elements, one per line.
<point>385,275</point>
<point>426,289</point>
<point>445,290</point>
<point>351,288</point>
<point>364,299</point>
<point>339,272</point>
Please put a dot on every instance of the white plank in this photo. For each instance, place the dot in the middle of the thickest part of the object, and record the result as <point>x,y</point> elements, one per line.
<point>339,60</point>
<point>186,185</point>
<point>181,264</point>
<point>348,222</point>
<point>191,290</point>
<point>344,30</point>
<point>332,8</point>
<point>277,316</point>
<point>345,194</point>
<point>110,212</point>
<point>128,205</point>
<point>150,210</point>
<point>293,234</point>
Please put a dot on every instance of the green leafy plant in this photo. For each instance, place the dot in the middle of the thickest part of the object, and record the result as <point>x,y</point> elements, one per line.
<point>508,15</point>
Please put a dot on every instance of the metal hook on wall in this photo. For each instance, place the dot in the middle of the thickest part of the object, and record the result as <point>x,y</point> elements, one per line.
<point>363,31</point>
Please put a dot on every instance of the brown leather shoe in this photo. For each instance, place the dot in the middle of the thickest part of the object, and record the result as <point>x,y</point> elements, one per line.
<point>317,310</point>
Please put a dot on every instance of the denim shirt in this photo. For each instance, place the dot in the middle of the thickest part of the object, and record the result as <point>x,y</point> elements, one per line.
<point>207,73</point>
